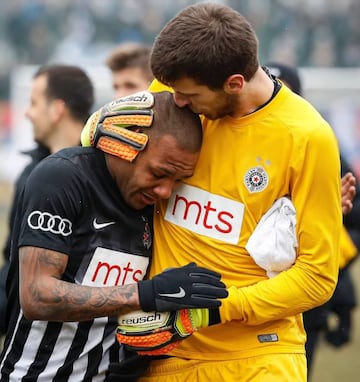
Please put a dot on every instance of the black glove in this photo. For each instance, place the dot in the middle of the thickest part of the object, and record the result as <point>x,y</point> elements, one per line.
<point>129,369</point>
<point>189,286</point>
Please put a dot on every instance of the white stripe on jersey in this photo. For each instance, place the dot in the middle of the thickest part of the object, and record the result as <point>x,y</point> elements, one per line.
<point>28,355</point>
<point>96,333</point>
<point>62,346</point>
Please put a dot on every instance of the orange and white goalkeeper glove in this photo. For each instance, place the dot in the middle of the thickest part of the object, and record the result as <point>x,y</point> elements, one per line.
<point>156,333</point>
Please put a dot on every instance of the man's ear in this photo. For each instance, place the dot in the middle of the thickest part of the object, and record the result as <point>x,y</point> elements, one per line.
<point>234,84</point>
<point>57,109</point>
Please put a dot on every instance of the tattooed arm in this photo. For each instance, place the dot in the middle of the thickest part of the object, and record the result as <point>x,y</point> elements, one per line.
<point>44,296</point>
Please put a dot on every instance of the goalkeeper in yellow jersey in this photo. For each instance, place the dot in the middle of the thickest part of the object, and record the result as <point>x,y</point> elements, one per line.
<point>343,301</point>
<point>262,142</point>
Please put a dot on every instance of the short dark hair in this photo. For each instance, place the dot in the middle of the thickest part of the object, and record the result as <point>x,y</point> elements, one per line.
<point>181,123</point>
<point>207,42</point>
<point>131,55</point>
<point>70,84</point>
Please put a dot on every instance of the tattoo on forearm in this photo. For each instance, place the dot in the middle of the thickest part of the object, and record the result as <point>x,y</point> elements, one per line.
<point>65,301</point>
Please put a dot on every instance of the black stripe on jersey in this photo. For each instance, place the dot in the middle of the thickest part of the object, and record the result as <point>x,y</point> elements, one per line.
<point>16,351</point>
<point>96,354</point>
<point>77,346</point>
<point>44,350</point>
<point>115,352</point>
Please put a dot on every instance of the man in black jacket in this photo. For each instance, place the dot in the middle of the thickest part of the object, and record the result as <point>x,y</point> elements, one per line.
<point>61,100</point>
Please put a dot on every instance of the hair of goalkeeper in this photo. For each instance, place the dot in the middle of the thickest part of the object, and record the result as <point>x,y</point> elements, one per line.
<point>180,123</point>
<point>206,42</point>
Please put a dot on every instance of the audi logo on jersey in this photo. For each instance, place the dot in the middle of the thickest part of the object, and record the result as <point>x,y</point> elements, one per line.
<point>44,221</point>
<point>205,213</point>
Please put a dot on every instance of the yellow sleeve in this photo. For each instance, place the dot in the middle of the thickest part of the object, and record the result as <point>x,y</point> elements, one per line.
<point>348,249</point>
<point>310,282</point>
<point>157,87</point>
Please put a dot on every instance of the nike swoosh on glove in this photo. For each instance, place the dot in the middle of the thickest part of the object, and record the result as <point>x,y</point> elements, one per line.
<point>189,286</point>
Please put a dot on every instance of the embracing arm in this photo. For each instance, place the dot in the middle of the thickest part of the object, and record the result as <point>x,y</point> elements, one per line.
<point>44,296</point>
<point>310,282</point>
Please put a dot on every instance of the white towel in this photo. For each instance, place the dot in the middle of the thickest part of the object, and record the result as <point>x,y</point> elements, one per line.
<point>273,243</point>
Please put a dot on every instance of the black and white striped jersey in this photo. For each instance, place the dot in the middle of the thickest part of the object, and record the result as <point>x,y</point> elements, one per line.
<point>72,205</point>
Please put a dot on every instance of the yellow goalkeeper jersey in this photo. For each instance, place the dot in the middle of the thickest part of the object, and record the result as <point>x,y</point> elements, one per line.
<point>348,250</point>
<point>285,148</point>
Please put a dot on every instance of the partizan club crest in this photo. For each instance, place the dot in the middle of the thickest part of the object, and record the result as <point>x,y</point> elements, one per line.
<point>256,179</point>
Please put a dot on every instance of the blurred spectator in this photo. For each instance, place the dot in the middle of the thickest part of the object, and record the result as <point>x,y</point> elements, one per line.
<point>61,100</point>
<point>130,68</point>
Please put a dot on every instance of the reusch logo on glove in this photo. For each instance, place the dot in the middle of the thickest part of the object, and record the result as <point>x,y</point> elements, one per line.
<point>138,100</point>
<point>141,318</point>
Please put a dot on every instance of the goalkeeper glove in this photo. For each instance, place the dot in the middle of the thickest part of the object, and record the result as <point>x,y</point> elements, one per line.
<point>189,286</point>
<point>158,333</point>
<point>111,128</point>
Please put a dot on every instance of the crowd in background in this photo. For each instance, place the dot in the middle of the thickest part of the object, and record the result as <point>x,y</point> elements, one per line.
<point>316,33</point>
<point>307,33</point>
<point>300,32</point>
